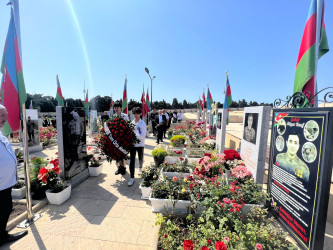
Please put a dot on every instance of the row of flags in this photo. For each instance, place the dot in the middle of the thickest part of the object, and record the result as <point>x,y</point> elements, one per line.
<point>227,99</point>
<point>13,93</point>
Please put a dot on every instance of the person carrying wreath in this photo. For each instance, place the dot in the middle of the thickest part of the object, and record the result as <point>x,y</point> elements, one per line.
<point>122,163</point>
<point>140,132</point>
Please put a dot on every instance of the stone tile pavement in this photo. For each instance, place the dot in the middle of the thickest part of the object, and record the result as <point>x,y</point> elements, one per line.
<point>102,213</point>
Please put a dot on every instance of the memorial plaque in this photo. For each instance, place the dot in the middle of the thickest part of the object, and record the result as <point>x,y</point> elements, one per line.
<point>221,129</point>
<point>71,140</point>
<point>254,142</point>
<point>209,120</point>
<point>300,172</point>
<point>93,122</point>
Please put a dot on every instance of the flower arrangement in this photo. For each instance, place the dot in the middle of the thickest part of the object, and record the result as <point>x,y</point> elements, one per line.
<point>94,161</point>
<point>16,136</point>
<point>181,166</point>
<point>241,173</point>
<point>149,175</point>
<point>177,141</point>
<point>177,153</point>
<point>37,163</point>
<point>232,159</point>
<point>210,165</point>
<point>208,142</point>
<point>117,138</point>
<point>48,176</point>
<point>46,134</point>
<point>174,189</point>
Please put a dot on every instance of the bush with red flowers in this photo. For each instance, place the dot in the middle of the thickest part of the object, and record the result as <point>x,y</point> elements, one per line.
<point>117,139</point>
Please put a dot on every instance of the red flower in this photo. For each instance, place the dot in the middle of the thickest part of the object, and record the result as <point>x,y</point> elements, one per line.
<point>208,154</point>
<point>174,178</point>
<point>204,248</point>
<point>188,245</point>
<point>165,235</point>
<point>209,242</point>
<point>231,210</point>
<point>220,245</point>
<point>181,158</point>
<point>259,246</point>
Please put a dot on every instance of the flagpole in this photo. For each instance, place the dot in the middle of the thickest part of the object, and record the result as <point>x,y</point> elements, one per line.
<point>318,31</point>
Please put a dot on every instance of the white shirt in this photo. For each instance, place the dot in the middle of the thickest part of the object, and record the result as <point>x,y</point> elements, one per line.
<point>166,116</point>
<point>140,132</point>
<point>180,116</point>
<point>8,163</point>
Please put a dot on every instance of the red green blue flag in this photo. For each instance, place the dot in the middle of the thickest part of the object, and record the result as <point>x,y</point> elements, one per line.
<point>143,101</point>
<point>86,106</point>
<point>59,96</point>
<point>314,34</point>
<point>227,98</point>
<point>209,100</point>
<point>124,107</point>
<point>148,101</point>
<point>13,93</point>
<point>203,99</point>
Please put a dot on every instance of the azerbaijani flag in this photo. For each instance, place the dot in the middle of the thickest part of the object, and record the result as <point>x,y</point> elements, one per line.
<point>1,90</point>
<point>13,94</point>
<point>86,106</point>
<point>305,78</point>
<point>227,98</point>
<point>143,101</point>
<point>148,101</point>
<point>209,100</point>
<point>203,99</point>
<point>59,96</point>
<point>124,107</point>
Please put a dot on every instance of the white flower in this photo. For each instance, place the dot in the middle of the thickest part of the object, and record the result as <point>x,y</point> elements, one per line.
<point>49,166</point>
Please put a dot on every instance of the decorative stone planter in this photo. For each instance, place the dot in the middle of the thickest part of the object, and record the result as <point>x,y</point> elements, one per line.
<point>145,191</point>
<point>247,208</point>
<point>95,171</point>
<point>166,205</point>
<point>18,193</point>
<point>171,159</point>
<point>158,161</point>
<point>191,160</point>
<point>58,198</point>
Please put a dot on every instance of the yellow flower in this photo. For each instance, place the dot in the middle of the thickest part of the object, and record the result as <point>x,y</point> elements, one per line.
<point>183,190</point>
<point>155,176</point>
<point>185,179</point>
<point>143,169</point>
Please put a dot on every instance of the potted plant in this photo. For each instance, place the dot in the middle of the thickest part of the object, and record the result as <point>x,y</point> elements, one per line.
<point>174,155</point>
<point>18,190</point>
<point>58,192</point>
<point>149,175</point>
<point>178,169</point>
<point>177,141</point>
<point>94,166</point>
<point>159,155</point>
<point>170,196</point>
<point>169,134</point>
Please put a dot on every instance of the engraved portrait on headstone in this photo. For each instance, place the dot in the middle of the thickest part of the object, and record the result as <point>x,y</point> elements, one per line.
<point>74,139</point>
<point>311,130</point>
<point>250,127</point>
<point>219,120</point>
<point>32,127</point>
<point>309,152</point>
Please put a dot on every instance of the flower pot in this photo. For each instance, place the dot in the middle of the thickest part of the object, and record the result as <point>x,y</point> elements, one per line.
<point>18,193</point>
<point>58,198</point>
<point>166,205</point>
<point>95,171</point>
<point>247,208</point>
<point>145,191</point>
<point>38,190</point>
<point>158,161</point>
<point>170,175</point>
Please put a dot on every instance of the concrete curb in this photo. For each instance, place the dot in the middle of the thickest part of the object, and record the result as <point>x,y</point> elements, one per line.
<point>38,205</point>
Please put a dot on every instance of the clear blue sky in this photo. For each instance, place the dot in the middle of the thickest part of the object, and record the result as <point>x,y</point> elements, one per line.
<point>185,43</point>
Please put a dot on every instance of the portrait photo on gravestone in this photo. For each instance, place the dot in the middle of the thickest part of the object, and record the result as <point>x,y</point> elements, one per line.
<point>219,121</point>
<point>250,127</point>
<point>296,148</point>
<point>74,140</point>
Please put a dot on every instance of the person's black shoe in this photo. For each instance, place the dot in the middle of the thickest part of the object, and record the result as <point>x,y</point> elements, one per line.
<point>16,236</point>
<point>118,171</point>
<point>161,140</point>
<point>122,170</point>
<point>157,142</point>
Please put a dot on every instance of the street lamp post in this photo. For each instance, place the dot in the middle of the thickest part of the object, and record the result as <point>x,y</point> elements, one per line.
<point>151,86</point>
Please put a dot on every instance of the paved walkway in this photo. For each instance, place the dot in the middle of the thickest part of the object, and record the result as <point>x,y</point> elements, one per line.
<point>102,213</point>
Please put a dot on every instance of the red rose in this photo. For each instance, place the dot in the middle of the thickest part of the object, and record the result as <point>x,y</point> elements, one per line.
<point>209,242</point>
<point>204,248</point>
<point>188,245</point>
<point>259,246</point>
<point>220,245</point>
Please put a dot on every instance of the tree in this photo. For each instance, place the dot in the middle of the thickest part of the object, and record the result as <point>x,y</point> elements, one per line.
<point>174,104</point>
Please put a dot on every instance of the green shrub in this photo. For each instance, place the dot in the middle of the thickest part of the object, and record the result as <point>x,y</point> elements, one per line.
<point>177,141</point>
<point>159,153</point>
